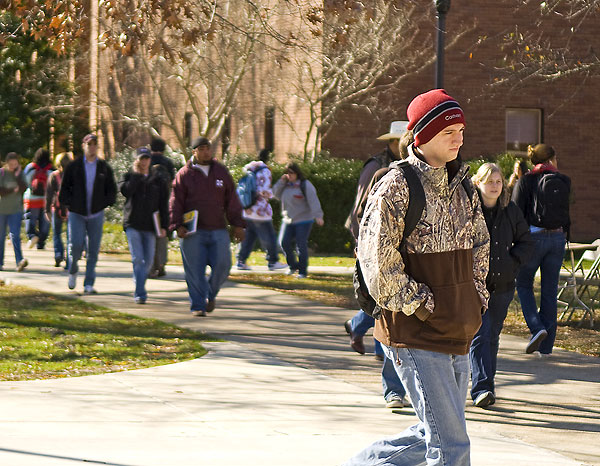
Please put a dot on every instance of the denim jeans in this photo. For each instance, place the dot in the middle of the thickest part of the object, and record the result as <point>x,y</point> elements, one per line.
<point>264,231</point>
<point>484,348</point>
<point>13,222</point>
<point>141,247</point>
<point>57,229</point>
<point>437,385</point>
<point>548,257</point>
<point>298,233</point>
<point>80,228</point>
<point>37,225</point>
<point>205,247</point>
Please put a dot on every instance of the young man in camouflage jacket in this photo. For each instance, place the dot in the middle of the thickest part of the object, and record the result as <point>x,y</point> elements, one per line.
<point>430,284</point>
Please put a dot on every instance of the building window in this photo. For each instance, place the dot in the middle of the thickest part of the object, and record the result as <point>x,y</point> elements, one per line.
<point>270,129</point>
<point>226,137</point>
<point>523,128</point>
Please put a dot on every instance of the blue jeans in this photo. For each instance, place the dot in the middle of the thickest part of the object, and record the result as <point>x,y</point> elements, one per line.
<point>264,231</point>
<point>548,257</point>
<point>484,348</point>
<point>141,247</point>
<point>205,247</point>
<point>392,386</point>
<point>13,222</point>
<point>298,233</point>
<point>37,225</point>
<point>80,228</point>
<point>437,384</point>
<point>57,228</point>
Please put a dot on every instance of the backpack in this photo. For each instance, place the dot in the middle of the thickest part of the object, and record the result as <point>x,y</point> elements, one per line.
<point>39,181</point>
<point>416,205</point>
<point>246,188</point>
<point>551,201</point>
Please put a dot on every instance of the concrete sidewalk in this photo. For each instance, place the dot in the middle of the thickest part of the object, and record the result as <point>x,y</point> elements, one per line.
<point>284,390</point>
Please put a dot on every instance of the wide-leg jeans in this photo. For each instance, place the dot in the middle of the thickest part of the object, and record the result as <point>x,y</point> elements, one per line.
<point>548,257</point>
<point>484,348</point>
<point>297,233</point>
<point>141,247</point>
<point>263,231</point>
<point>437,384</point>
<point>198,250</point>
<point>13,222</point>
<point>79,228</point>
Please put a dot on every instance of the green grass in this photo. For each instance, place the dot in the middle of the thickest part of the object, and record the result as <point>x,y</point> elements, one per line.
<point>47,336</point>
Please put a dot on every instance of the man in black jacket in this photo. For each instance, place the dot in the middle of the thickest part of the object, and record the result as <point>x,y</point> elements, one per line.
<point>88,187</point>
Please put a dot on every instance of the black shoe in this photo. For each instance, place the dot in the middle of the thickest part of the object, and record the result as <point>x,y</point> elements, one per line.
<point>535,341</point>
<point>356,341</point>
<point>161,272</point>
<point>57,262</point>
<point>379,357</point>
<point>210,306</point>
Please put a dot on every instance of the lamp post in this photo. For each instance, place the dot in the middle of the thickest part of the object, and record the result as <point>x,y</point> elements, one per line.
<point>442,7</point>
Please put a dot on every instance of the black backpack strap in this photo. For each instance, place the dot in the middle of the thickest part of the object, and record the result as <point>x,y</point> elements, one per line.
<point>416,198</point>
<point>467,184</point>
<point>303,188</point>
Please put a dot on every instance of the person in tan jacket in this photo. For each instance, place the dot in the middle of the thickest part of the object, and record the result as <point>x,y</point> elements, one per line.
<point>430,285</point>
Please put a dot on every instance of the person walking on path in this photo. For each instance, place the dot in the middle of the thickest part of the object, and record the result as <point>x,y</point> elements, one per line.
<point>204,187</point>
<point>146,210</point>
<point>393,391</point>
<point>56,214</point>
<point>543,196</point>
<point>12,187</point>
<point>300,208</point>
<point>164,168</point>
<point>259,217</point>
<point>510,247</point>
<point>88,187</point>
<point>37,226</point>
<point>430,286</point>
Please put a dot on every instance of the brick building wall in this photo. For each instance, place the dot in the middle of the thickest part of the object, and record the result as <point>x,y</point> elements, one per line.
<point>568,105</point>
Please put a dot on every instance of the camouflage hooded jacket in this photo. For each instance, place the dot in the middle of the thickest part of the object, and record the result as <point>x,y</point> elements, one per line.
<point>433,293</point>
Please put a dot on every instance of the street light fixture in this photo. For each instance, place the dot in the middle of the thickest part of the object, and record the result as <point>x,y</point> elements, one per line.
<point>442,7</point>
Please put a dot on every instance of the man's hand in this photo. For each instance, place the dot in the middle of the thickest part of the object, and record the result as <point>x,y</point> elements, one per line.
<point>163,233</point>
<point>182,232</point>
<point>239,233</point>
<point>320,221</point>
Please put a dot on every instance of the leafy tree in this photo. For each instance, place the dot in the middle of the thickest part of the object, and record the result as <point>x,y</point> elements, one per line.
<point>33,89</point>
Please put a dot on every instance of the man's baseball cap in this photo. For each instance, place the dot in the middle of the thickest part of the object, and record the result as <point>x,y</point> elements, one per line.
<point>90,137</point>
<point>201,141</point>
<point>430,113</point>
<point>142,152</point>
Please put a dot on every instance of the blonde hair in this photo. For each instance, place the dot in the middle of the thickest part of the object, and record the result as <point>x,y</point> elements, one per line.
<point>63,159</point>
<point>485,171</point>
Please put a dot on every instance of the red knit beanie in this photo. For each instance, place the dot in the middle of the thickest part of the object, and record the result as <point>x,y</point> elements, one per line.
<point>430,113</point>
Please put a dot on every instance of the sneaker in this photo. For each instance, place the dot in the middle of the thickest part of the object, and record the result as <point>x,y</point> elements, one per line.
<point>199,313</point>
<point>32,242</point>
<point>243,266</point>
<point>139,300</point>
<point>72,280</point>
<point>153,274</point>
<point>535,341</point>
<point>57,262</point>
<point>161,271</point>
<point>291,272</point>
<point>22,264</point>
<point>544,355</point>
<point>301,275</point>
<point>394,402</point>
<point>210,306</point>
<point>484,399</point>
<point>89,289</point>
<point>379,357</point>
<point>277,266</point>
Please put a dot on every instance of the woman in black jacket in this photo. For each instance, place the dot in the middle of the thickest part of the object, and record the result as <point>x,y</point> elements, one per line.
<point>145,216</point>
<point>510,247</point>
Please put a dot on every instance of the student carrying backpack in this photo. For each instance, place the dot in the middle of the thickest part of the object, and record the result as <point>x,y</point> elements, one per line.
<point>36,174</point>
<point>247,187</point>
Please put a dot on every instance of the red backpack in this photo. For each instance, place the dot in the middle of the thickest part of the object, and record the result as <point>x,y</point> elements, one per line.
<point>39,180</point>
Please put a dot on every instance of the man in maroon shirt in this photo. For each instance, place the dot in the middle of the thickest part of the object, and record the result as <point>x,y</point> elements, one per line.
<point>205,186</point>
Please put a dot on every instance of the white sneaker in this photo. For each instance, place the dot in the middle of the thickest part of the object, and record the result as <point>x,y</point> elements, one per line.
<point>22,264</point>
<point>32,242</point>
<point>199,313</point>
<point>72,280</point>
<point>277,266</point>
<point>394,403</point>
<point>89,289</point>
